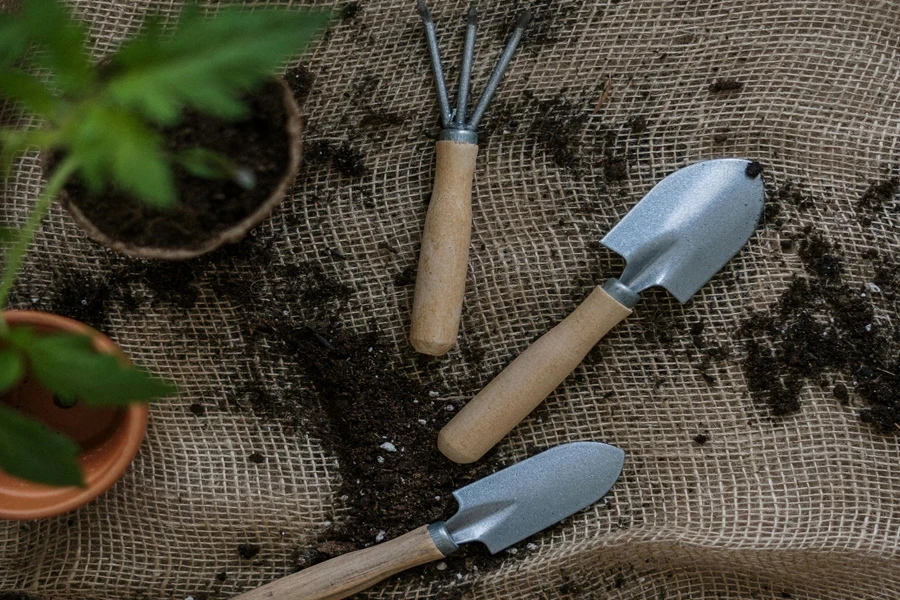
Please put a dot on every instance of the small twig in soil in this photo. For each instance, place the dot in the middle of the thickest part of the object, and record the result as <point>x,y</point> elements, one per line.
<point>607,88</point>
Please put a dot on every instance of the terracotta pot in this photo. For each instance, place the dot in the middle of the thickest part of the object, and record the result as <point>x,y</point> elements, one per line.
<point>236,232</point>
<point>109,437</point>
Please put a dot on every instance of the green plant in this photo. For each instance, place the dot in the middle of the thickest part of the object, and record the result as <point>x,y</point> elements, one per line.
<point>102,123</point>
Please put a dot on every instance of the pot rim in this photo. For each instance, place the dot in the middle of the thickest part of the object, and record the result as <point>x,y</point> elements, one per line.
<point>236,232</point>
<point>133,426</point>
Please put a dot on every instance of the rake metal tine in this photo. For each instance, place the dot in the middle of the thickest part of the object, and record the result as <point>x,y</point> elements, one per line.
<point>497,75</point>
<point>465,73</point>
<point>436,66</point>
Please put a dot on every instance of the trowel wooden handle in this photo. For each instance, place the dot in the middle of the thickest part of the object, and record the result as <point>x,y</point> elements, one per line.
<point>353,572</point>
<point>441,280</point>
<point>522,385</point>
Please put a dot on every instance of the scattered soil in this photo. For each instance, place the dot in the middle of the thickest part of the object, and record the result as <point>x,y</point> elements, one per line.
<point>206,206</point>
<point>555,125</point>
<point>615,168</point>
<point>342,158</point>
<point>792,193</point>
<point>753,170</point>
<point>125,284</point>
<point>549,20</point>
<point>820,257</point>
<point>725,85</point>
<point>350,11</point>
<point>823,327</point>
<point>301,80</point>
<point>406,277</point>
<point>878,194</point>
<point>248,551</point>
<point>701,438</point>
<point>349,391</point>
<point>637,124</point>
<point>378,120</point>
<point>382,427</point>
<point>82,297</point>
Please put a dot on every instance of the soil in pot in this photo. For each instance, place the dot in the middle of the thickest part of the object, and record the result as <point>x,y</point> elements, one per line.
<point>210,212</point>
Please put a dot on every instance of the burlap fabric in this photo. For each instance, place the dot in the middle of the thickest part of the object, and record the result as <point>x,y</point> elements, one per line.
<point>801,506</point>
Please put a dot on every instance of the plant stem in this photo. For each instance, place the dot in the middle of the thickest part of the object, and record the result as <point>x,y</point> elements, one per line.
<point>17,253</point>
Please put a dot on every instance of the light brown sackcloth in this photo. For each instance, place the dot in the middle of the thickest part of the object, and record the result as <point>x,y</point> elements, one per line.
<point>805,506</point>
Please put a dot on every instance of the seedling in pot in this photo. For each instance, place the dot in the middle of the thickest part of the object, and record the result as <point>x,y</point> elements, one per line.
<point>101,125</point>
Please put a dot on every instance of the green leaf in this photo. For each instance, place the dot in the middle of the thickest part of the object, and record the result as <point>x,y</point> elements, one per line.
<point>8,234</point>
<point>14,40</point>
<point>31,451</point>
<point>30,92</point>
<point>208,164</point>
<point>12,367</point>
<point>207,64</point>
<point>61,40</point>
<point>68,365</point>
<point>115,144</point>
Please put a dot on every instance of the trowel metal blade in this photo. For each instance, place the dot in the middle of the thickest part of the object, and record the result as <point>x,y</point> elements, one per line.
<point>510,505</point>
<point>688,226</point>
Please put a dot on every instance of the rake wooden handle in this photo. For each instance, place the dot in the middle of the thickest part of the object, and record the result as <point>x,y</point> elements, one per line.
<point>353,572</point>
<point>522,385</point>
<point>441,280</point>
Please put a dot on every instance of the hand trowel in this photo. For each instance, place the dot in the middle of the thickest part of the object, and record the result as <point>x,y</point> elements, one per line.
<point>498,511</point>
<point>678,236</point>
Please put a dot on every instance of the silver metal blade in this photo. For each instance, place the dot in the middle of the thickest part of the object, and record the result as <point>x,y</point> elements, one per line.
<point>521,500</point>
<point>688,226</point>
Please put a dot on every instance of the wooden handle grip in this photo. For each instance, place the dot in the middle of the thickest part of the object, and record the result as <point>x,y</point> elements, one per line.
<point>522,385</point>
<point>353,572</point>
<point>441,280</point>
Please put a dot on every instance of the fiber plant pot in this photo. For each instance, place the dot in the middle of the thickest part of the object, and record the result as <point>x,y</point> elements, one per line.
<point>210,212</point>
<point>109,437</point>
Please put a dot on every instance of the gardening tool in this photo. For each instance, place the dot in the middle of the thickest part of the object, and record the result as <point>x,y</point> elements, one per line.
<point>677,237</point>
<point>441,279</point>
<point>498,511</point>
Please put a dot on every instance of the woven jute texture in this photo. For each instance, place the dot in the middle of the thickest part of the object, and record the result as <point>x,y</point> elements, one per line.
<point>602,101</point>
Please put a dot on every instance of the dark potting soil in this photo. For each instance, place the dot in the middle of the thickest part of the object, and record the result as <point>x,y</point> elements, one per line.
<point>878,194</point>
<point>822,327</point>
<point>350,11</point>
<point>555,125</point>
<point>637,124</point>
<point>379,422</point>
<point>753,169</point>
<point>248,551</point>
<point>206,206</point>
<point>725,85</point>
<point>341,157</point>
<point>301,80</point>
<point>792,193</point>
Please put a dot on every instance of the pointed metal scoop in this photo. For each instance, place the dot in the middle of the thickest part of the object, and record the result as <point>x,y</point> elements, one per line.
<point>498,511</point>
<point>677,237</point>
<point>512,504</point>
<point>686,229</point>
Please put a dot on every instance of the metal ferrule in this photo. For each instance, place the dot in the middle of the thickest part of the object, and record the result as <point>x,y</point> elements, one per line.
<point>620,292</point>
<point>441,538</point>
<point>463,136</point>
